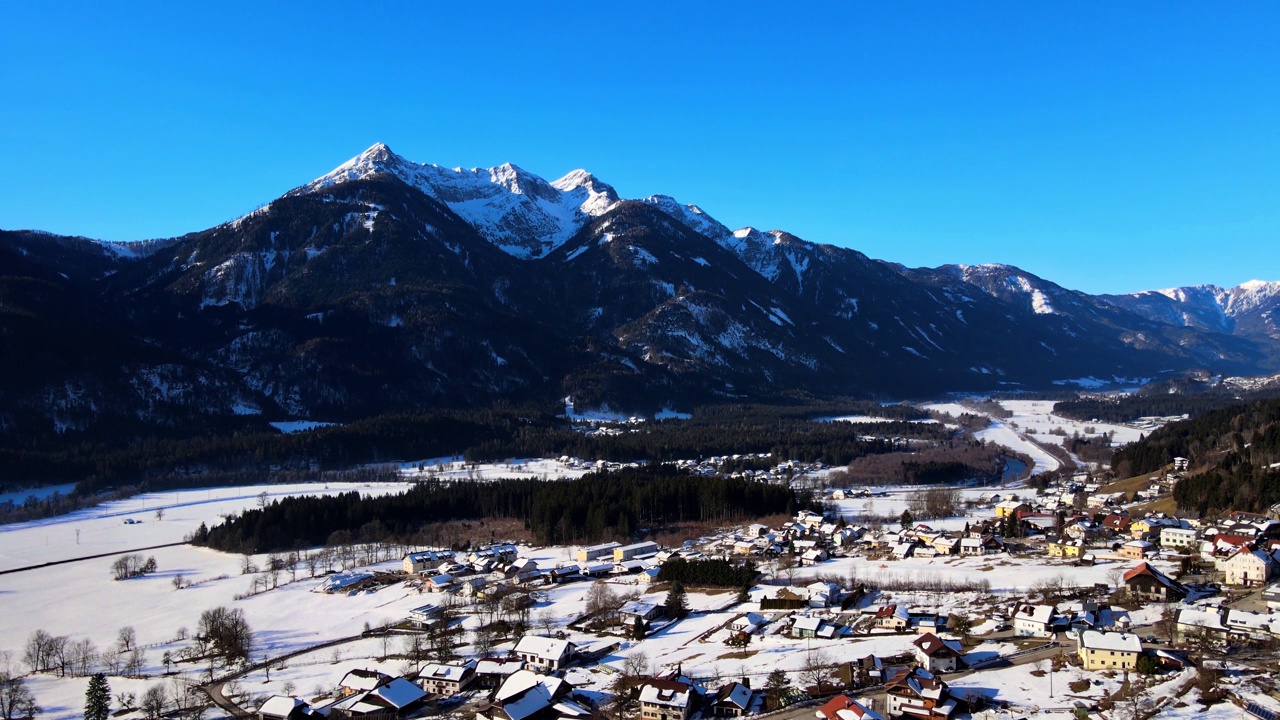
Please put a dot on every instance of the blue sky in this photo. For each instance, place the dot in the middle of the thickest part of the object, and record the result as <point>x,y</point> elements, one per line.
<point>1109,147</point>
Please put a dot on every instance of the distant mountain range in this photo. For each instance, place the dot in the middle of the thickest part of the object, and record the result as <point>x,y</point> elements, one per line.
<point>387,285</point>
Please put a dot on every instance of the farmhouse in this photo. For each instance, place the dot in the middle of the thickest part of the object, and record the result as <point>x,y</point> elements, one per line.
<point>1144,582</point>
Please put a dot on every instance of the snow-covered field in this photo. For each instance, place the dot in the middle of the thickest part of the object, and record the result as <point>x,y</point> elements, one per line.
<point>1033,424</point>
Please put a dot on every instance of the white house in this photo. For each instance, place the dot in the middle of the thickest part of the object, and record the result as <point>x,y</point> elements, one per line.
<point>1250,568</point>
<point>1034,620</point>
<point>549,654</point>
<point>937,655</point>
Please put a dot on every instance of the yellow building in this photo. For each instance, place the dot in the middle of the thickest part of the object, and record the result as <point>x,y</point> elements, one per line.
<point>1109,651</point>
<point>1066,548</point>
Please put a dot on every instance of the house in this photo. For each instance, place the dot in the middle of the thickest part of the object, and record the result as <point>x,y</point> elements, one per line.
<point>526,695</point>
<point>360,681</point>
<point>843,707</point>
<point>732,700</point>
<point>419,562</point>
<point>1250,568</point>
<point>1178,538</point>
<point>1035,620</point>
<point>630,552</point>
<point>666,699</point>
<point>438,583</point>
<point>1136,549</point>
<point>806,626</point>
<point>597,552</point>
<point>283,707</point>
<point>446,679</point>
<point>1191,623</point>
<point>946,545</point>
<point>1011,508</point>
<point>743,547</point>
<point>638,610</point>
<point>427,616</point>
<point>492,672</point>
<point>916,693</point>
<point>548,654</point>
<point>894,617</point>
<point>1109,650</point>
<point>937,655</point>
<point>1144,582</point>
<point>971,546</point>
<point>749,623</point>
<point>396,699</point>
<point>1066,548</point>
<point>813,557</point>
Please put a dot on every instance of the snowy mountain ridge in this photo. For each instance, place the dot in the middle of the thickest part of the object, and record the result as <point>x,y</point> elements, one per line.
<point>515,210</point>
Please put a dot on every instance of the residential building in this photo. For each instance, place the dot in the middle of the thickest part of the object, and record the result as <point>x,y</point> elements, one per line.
<point>1144,582</point>
<point>1011,508</point>
<point>1250,568</point>
<point>843,707</point>
<point>1035,620</point>
<point>732,700</point>
<point>597,552</point>
<point>916,693</point>
<point>937,655</point>
<point>666,699</point>
<point>283,707</point>
<point>446,679</point>
<point>894,617</point>
<point>1136,549</point>
<point>544,653</point>
<point>1109,650</point>
<point>1178,538</point>
<point>527,695</point>
<point>1066,548</point>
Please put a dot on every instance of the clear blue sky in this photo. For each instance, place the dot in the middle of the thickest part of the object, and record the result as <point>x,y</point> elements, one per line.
<point>1109,147</point>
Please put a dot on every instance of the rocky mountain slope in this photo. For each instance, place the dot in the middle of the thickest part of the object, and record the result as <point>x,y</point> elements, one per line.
<point>387,285</point>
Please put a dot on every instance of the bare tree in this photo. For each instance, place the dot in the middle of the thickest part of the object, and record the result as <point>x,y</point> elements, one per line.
<point>36,652</point>
<point>154,702</point>
<point>127,638</point>
<point>600,598</point>
<point>636,664</point>
<point>815,669</point>
<point>82,655</point>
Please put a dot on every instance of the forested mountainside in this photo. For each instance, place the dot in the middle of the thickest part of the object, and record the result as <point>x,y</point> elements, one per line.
<point>388,287</point>
<point>1234,455</point>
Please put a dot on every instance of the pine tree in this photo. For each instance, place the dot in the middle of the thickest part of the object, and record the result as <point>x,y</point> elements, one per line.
<point>677,601</point>
<point>776,688</point>
<point>97,698</point>
<point>906,520</point>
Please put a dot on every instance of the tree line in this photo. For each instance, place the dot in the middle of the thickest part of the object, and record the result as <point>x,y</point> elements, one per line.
<point>598,506</point>
<point>715,572</point>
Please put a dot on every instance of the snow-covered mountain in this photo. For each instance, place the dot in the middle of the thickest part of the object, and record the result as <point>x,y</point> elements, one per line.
<point>1247,309</point>
<point>388,285</point>
<point>517,211</point>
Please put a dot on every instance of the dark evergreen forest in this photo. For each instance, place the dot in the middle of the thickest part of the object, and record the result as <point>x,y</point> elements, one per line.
<point>599,506</point>
<point>1231,451</point>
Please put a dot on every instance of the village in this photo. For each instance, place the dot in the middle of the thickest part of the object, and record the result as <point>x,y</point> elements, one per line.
<point>849,620</point>
<point>1065,593</point>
